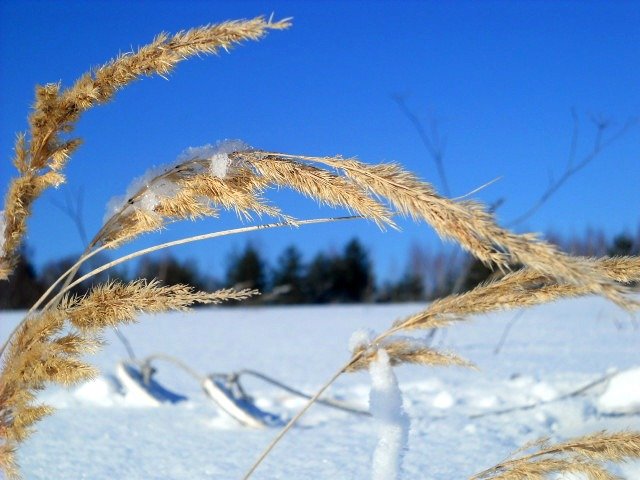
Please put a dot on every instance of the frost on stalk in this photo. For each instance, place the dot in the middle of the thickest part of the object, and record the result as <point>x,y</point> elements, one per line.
<point>361,339</point>
<point>147,191</point>
<point>218,155</point>
<point>156,190</point>
<point>385,404</point>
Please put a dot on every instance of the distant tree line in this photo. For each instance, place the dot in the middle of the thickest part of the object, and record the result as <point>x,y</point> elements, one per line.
<point>344,276</point>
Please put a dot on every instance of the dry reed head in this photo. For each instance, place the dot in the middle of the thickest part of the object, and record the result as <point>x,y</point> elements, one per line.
<point>49,346</point>
<point>401,351</point>
<point>319,184</point>
<point>191,190</point>
<point>522,288</point>
<point>41,157</point>
<point>468,223</point>
<point>585,455</point>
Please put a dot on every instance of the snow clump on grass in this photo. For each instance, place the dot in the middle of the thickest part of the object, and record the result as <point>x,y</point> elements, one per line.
<point>361,339</point>
<point>155,187</point>
<point>218,155</point>
<point>385,404</point>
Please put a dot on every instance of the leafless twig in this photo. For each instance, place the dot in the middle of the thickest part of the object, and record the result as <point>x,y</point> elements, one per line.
<point>571,394</point>
<point>506,331</point>
<point>600,144</point>
<point>432,140</point>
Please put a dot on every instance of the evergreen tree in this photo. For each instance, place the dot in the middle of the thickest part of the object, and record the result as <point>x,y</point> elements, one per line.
<point>23,288</point>
<point>622,245</point>
<point>247,270</point>
<point>170,271</point>
<point>288,276</point>
<point>319,282</point>
<point>354,278</point>
<point>408,288</point>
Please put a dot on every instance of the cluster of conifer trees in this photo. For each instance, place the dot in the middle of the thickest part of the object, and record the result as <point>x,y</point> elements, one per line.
<point>344,276</point>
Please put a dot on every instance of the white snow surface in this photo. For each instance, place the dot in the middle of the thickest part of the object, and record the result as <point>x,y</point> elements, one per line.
<point>622,395</point>
<point>97,433</point>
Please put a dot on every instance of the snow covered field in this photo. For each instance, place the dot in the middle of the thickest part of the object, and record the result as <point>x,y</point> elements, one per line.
<point>97,433</point>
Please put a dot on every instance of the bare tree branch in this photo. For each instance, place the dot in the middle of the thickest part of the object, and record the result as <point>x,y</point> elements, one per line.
<point>432,140</point>
<point>600,144</point>
<point>73,208</point>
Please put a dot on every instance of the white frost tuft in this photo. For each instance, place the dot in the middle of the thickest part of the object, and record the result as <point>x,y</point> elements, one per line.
<point>218,155</point>
<point>385,404</point>
<point>361,338</point>
<point>219,164</point>
<point>149,200</point>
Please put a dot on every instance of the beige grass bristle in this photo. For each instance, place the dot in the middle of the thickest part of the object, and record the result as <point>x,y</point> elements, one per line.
<point>401,352</point>
<point>584,455</point>
<point>519,289</point>
<point>8,459</point>
<point>26,417</point>
<point>115,303</point>
<point>40,157</point>
<point>620,269</point>
<point>129,224</point>
<point>468,223</point>
<point>184,206</point>
<point>322,186</point>
<point>195,195</point>
<point>241,193</point>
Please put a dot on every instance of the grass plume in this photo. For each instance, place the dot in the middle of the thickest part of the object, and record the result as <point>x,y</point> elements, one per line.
<point>49,345</point>
<point>41,156</point>
<point>467,222</point>
<point>587,455</point>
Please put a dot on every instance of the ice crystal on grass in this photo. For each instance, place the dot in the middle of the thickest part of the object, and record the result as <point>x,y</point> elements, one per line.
<point>218,155</point>
<point>361,339</point>
<point>150,198</point>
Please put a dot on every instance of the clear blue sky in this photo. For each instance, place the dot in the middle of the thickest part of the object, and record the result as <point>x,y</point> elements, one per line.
<point>500,77</point>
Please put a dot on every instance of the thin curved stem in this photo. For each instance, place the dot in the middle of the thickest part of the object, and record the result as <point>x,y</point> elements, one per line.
<point>162,246</point>
<point>297,417</point>
<point>313,400</point>
<point>70,272</point>
<point>68,275</point>
<point>195,238</point>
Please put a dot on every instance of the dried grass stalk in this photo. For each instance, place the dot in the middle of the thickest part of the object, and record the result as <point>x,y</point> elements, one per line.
<point>467,222</point>
<point>115,303</point>
<point>523,288</point>
<point>8,460</point>
<point>187,191</point>
<point>583,455</point>
<point>48,347</point>
<point>323,186</point>
<point>40,157</point>
<point>402,351</point>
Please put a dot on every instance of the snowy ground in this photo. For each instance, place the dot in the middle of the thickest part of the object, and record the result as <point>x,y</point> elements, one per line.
<point>98,434</point>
